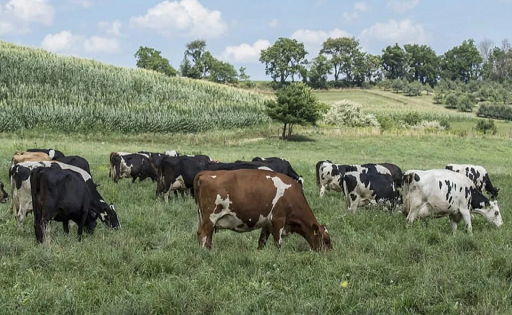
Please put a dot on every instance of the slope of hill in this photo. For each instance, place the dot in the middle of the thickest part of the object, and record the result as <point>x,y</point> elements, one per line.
<point>45,91</point>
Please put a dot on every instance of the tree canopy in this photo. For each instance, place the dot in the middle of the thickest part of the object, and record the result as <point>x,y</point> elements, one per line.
<point>295,104</point>
<point>286,58</point>
<point>151,59</point>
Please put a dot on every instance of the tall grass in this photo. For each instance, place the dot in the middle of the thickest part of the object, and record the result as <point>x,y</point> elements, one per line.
<point>41,90</point>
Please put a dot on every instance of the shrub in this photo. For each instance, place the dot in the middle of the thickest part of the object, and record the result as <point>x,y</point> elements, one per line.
<point>495,111</point>
<point>349,113</point>
<point>445,124</point>
<point>486,126</point>
<point>385,122</point>
<point>414,88</point>
<point>428,125</point>
<point>451,101</point>
<point>464,104</point>
<point>412,119</point>
<point>397,85</point>
<point>438,98</point>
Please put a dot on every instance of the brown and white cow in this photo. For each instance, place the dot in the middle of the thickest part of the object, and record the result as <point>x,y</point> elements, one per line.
<point>20,157</point>
<point>248,199</point>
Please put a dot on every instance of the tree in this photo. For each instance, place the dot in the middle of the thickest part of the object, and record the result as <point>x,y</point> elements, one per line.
<point>422,64</point>
<point>284,59</point>
<point>295,104</point>
<point>151,59</point>
<point>394,62</point>
<point>222,72</point>
<point>462,62</point>
<point>372,67</point>
<point>485,48</point>
<point>499,64</point>
<point>193,61</point>
<point>320,69</point>
<point>342,51</point>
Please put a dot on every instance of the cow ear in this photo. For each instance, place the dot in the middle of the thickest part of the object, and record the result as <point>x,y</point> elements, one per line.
<point>316,229</point>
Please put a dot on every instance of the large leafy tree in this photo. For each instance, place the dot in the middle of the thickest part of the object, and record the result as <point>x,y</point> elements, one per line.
<point>295,104</point>
<point>394,62</point>
<point>151,59</point>
<point>462,62</point>
<point>222,72</point>
<point>423,64</point>
<point>286,58</point>
<point>499,63</point>
<point>194,61</point>
<point>320,69</point>
<point>344,53</point>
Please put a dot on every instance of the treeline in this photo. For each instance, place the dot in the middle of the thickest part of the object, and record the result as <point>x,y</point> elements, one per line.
<point>342,63</point>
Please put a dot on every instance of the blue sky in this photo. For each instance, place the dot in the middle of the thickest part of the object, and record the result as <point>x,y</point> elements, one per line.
<point>235,31</point>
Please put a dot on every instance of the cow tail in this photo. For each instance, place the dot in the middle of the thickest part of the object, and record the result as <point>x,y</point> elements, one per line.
<point>318,172</point>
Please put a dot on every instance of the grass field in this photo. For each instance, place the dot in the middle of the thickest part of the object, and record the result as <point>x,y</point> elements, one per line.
<point>153,265</point>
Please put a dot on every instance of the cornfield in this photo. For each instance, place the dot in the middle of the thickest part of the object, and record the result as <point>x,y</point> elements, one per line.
<point>41,90</point>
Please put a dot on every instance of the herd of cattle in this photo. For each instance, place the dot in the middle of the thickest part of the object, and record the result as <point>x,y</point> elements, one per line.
<point>265,193</point>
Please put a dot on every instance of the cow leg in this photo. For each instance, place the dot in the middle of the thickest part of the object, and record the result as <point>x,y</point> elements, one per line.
<point>277,231</point>
<point>85,213</point>
<point>466,216</point>
<point>322,191</point>
<point>454,225</point>
<point>182,192</point>
<point>133,179</point>
<point>65,225</point>
<point>265,233</point>
<point>205,233</point>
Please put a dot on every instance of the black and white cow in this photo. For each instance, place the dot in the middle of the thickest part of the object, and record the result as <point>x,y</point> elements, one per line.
<point>4,194</point>
<point>53,154</point>
<point>131,165</point>
<point>177,174</point>
<point>437,193</point>
<point>60,195</point>
<point>328,174</point>
<point>21,200</point>
<point>362,188</point>
<point>77,161</point>
<point>281,165</point>
<point>477,174</point>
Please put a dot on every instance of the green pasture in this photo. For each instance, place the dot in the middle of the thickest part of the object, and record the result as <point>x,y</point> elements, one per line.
<point>153,264</point>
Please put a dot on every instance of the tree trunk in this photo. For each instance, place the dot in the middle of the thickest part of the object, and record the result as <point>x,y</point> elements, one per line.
<point>284,132</point>
<point>290,130</point>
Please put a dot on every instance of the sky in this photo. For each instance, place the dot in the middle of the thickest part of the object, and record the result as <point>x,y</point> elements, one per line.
<point>236,31</point>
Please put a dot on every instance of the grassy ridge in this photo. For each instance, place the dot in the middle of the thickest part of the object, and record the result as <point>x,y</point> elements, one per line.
<point>45,91</point>
<point>154,265</point>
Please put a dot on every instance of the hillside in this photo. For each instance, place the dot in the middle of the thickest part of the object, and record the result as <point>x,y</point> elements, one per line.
<point>40,90</point>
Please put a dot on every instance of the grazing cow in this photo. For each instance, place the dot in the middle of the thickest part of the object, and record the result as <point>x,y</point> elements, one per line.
<point>171,153</point>
<point>328,174</point>
<point>5,196</point>
<point>77,161</point>
<point>53,154</point>
<point>20,157</point>
<point>21,200</point>
<point>177,174</point>
<point>440,193</point>
<point>60,195</point>
<point>134,165</point>
<point>478,175</point>
<point>280,165</point>
<point>244,200</point>
<point>361,189</point>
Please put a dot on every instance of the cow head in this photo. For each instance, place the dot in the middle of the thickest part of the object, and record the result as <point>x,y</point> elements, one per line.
<point>488,209</point>
<point>321,239</point>
<point>108,216</point>
<point>4,195</point>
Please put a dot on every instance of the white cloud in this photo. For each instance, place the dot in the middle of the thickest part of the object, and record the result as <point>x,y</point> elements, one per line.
<point>316,38</point>
<point>69,43</point>
<point>111,28</point>
<point>402,6</point>
<point>273,23</point>
<point>359,7</point>
<point>83,3</point>
<point>362,6</point>
<point>402,32</point>
<point>350,17</point>
<point>17,15</point>
<point>184,18</point>
<point>245,53</point>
